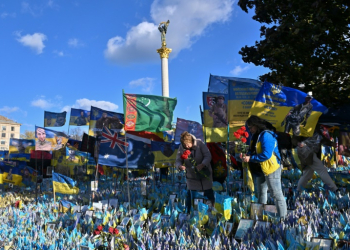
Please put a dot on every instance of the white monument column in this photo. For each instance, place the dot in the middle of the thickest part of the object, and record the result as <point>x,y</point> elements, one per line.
<point>164,56</point>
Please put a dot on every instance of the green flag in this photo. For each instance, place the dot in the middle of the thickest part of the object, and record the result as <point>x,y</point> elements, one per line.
<point>148,112</point>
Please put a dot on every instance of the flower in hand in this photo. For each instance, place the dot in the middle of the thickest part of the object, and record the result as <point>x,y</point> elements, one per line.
<point>185,154</point>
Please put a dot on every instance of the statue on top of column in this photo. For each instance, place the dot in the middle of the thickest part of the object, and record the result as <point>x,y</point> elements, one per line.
<point>163,26</point>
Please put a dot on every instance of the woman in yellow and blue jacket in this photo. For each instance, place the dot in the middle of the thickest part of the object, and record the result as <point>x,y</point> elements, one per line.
<point>264,162</point>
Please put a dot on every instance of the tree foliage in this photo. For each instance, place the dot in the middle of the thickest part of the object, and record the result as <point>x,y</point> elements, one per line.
<point>305,44</point>
<point>28,135</point>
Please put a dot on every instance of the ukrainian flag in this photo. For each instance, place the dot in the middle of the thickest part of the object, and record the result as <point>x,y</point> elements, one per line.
<point>164,153</point>
<point>65,206</point>
<point>63,184</point>
<point>273,103</point>
<point>20,149</point>
<point>3,155</point>
<point>11,174</point>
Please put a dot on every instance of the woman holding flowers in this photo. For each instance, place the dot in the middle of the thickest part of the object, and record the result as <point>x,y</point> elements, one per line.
<point>267,169</point>
<point>194,157</point>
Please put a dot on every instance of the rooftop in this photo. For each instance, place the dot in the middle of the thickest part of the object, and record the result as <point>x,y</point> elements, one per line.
<point>5,120</point>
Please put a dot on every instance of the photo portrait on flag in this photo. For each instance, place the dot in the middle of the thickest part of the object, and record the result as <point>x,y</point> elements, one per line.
<point>288,110</point>
<point>52,119</point>
<point>20,149</point>
<point>79,117</point>
<point>48,140</point>
<point>102,118</point>
<point>215,116</point>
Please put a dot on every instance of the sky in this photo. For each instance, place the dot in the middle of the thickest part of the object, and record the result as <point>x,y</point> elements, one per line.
<point>58,55</point>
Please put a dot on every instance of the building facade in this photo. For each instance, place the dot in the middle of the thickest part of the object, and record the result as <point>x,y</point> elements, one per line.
<point>8,129</point>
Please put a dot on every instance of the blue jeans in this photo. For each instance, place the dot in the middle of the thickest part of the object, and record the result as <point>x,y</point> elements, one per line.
<point>273,183</point>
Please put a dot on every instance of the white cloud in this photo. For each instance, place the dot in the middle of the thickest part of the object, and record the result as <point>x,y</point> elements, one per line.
<point>59,53</point>
<point>5,14</point>
<point>35,41</point>
<point>8,110</point>
<point>146,84</point>
<point>188,21</point>
<point>238,70</point>
<point>75,43</point>
<point>42,103</point>
<point>86,104</point>
<point>26,8</point>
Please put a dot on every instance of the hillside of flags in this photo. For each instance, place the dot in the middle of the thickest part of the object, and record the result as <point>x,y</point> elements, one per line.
<point>118,187</point>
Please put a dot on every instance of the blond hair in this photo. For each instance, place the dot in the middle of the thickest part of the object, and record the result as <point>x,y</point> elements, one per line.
<point>186,138</point>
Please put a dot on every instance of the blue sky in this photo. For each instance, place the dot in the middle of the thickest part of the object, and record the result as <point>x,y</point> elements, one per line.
<point>61,54</point>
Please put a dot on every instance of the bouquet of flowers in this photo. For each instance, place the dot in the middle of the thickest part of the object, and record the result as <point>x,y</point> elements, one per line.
<point>203,173</point>
<point>242,135</point>
<point>106,237</point>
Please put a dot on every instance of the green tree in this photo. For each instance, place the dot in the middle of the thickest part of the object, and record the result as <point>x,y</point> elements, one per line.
<point>28,135</point>
<point>305,44</point>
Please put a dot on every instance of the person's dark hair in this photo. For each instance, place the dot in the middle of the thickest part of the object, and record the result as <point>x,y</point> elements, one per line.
<point>261,124</point>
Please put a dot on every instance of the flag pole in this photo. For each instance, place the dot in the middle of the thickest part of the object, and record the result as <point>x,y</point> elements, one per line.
<point>36,179</point>
<point>228,157</point>
<point>54,193</point>
<point>126,151</point>
<point>127,168</point>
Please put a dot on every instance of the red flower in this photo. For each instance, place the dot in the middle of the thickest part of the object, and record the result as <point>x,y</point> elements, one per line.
<point>96,232</point>
<point>244,140</point>
<point>99,228</point>
<point>184,156</point>
<point>236,135</point>
<point>17,203</point>
<point>241,132</point>
<point>246,134</point>
<point>187,152</point>
<point>243,128</point>
<point>111,229</point>
<point>116,231</point>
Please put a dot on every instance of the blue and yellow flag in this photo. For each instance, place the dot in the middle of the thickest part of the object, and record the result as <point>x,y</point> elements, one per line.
<point>164,153</point>
<point>192,127</point>
<point>17,175</point>
<point>220,84</point>
<point>215,116</point>
<point>52,119</point>
<point>79,117</point>
<point>20,149</point>
<point>63,184</point>
<point>49,140</point>
<point>65,206</point>
<point>241,95</point>
<point>4,154</point>
<point>100,118</point>
<point>288,110</point>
